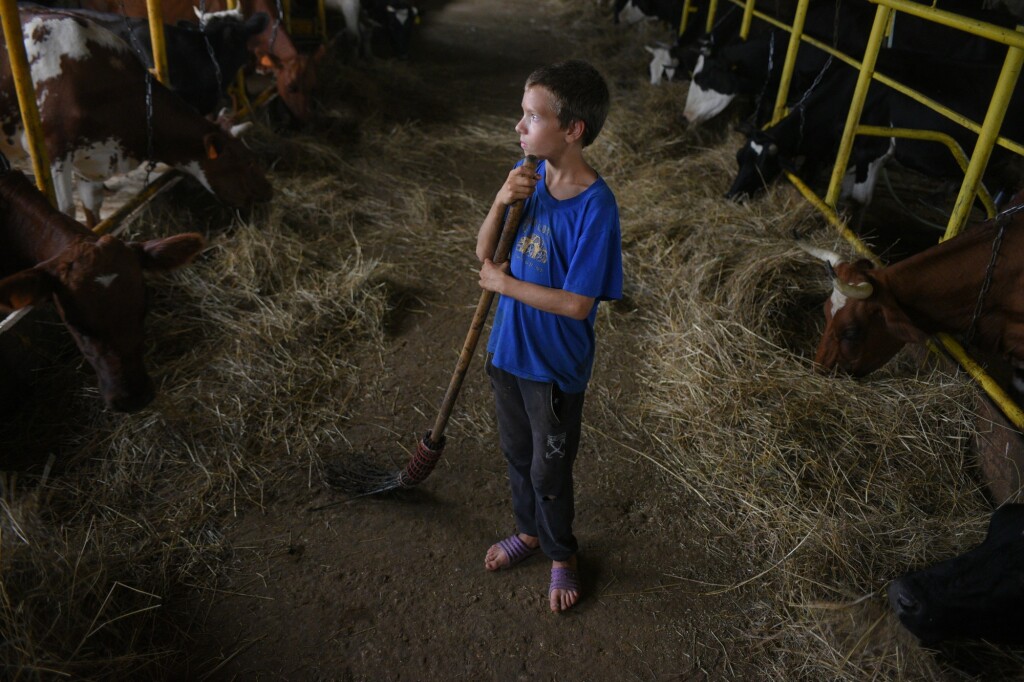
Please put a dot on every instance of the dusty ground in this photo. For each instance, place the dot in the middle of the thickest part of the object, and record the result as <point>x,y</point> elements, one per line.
<point>196,539</point>
<point>394,588</point>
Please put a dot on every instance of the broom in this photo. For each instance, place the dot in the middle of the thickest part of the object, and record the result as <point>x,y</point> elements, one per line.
<point>431,446</point>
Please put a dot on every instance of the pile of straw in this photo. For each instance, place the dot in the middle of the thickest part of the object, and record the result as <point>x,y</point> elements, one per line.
<point>831,486</point>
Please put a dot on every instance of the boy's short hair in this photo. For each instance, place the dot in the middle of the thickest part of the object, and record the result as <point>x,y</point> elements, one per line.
<point>580,93</point>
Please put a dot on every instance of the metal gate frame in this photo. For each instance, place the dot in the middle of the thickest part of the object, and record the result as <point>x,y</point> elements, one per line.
<point>974,166</point>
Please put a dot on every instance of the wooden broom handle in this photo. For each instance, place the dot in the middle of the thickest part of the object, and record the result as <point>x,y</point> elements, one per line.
<point>483,306</point>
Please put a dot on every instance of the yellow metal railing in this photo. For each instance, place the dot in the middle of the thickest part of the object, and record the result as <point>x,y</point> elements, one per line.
<point>987,133</point>
<point>1000,397</point>
<point>952,145</point>
<point>974,167</point>
<point>27,98</point>
<point>154,10</point>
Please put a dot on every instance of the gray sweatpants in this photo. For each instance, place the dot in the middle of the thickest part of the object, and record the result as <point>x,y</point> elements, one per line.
<point>539,434</point>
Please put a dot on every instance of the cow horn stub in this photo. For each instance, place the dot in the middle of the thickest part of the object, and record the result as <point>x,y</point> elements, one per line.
<point>860,291</point>
<point>830,257</point>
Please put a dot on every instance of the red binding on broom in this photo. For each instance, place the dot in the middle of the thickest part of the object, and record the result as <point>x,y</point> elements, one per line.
<point>431,447</point>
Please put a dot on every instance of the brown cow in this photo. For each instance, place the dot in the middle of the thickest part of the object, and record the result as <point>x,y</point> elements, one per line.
<point>873,311</point>
<point>95,283</point>
<point>92,95</point>
<point>273,49</point>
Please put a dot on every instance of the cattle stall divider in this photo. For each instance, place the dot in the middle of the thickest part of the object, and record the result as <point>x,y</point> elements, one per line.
<point>11,25</point>
<point>973,166</point>
<point>10,22</point>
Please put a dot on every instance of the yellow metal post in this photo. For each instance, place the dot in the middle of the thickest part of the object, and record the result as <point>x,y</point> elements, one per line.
<point>156,33</point>
<point>986,139</point>
<point>712,10</point>
<point>984,29</point>
<point>857,105</point>
<point>748,16</point>
<point>684,17</point>
<point>987,383</point>
<point>26,97</point>
<point>286,8</point>
<point>791,52</point>
<point>834,218</point>
<point>321,17</point>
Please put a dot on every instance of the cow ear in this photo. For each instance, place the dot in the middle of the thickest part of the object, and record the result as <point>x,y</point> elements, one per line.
<point>28,287</point>
<point>168,253</point>
<point>214,144</point>
<point>240,129</point>
<point>269,61</point>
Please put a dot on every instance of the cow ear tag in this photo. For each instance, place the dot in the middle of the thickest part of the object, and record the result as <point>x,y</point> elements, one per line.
<point>211,150</point>
<point>266,62</point>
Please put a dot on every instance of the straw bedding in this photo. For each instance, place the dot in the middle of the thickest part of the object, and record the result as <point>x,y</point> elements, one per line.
<point>831,486</point>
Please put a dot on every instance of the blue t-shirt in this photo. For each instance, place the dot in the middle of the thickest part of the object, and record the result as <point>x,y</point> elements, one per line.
<point>575,245</point>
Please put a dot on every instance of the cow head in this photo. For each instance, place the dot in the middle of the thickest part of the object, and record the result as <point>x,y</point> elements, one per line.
<point>864,325</point>
<point>296,79</point>
<point>229,31</point>
<point>712,88</point>
<point>663,64</point>
<point>401,17</point>
<point>760,161</point>
<point>979,594</point>
<point>97,287</point>
<point>229,170</point>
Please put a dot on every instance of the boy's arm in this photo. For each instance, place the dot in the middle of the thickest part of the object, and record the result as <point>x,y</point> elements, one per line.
<point>518,186</point>
<point>550,300</point>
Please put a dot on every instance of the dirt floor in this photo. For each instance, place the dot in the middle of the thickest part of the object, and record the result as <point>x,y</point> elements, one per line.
<point>739,514</point>
<point>394,588</point>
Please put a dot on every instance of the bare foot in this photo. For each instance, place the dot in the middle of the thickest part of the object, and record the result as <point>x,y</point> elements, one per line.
<point>563,598</point>
<point>496,558</point>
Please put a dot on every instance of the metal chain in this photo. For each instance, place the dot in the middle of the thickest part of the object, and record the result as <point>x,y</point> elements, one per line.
<point>209,48</point>
<point>277,24</point>
<point>1001,221</point>
<point>768,77</point>
<point>134,41</point>
<point>799,106</point>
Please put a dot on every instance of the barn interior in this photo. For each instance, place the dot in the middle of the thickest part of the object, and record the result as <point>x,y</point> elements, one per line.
<point>741,515</point>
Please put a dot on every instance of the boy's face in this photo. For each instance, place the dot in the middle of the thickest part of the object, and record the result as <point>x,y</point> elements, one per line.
<point>540,133</point>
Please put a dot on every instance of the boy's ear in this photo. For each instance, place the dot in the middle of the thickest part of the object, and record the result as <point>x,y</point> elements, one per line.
<point>575,130</point>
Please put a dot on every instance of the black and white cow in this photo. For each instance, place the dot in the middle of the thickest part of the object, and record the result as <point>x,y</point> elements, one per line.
<point>753,68</point>
<point>363,18</point>
<point>813,129</point>
<point>202,61</point>
<point>979,594</point>
<point>94,110</point>
<point>804,140</point>
<point>682,57</point>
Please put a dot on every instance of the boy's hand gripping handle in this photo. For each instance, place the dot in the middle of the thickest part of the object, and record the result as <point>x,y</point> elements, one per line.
<point>515,212</point>
<point>501,252</point>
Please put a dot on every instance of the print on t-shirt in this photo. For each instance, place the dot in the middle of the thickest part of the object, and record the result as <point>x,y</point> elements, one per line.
<point>533,245</point>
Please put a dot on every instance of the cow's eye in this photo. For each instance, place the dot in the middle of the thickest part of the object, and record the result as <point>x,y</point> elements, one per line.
<point>851,333</point>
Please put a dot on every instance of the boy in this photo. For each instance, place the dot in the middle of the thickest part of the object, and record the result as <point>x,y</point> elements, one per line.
<point>566,258</point>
